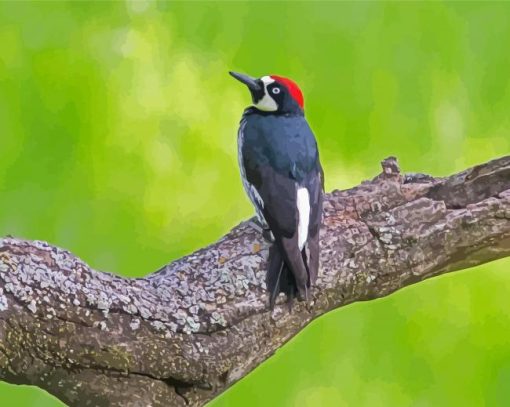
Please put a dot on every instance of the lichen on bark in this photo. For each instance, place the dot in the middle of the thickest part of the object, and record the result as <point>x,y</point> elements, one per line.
<point>185,333</point>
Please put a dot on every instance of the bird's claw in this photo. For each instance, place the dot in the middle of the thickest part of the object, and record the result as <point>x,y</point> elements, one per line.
<point>268,235</point>
<point>265,232</point>
<point>255,226</point>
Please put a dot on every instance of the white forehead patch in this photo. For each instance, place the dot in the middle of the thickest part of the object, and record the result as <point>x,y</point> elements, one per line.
<point>267,103</point>
<point>267,80</point>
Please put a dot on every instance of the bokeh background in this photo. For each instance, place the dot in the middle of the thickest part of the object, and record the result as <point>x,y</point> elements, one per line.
<point>118,142</point>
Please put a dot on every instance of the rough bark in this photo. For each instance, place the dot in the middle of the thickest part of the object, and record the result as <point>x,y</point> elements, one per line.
<point>184,334</point>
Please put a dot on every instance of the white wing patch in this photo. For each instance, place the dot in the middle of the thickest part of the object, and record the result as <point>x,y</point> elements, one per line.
<point>303,207</point>
<point>267,103</point>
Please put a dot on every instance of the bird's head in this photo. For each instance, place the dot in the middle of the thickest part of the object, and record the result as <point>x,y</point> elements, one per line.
<point>273,93</point>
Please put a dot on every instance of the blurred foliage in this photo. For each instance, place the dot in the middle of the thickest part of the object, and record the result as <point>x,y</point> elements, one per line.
<point>118,142</point>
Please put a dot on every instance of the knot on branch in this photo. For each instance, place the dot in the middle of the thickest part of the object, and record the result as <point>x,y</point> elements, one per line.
<point>390,167</point>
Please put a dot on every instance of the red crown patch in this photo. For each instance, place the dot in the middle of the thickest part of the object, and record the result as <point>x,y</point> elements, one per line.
<point>293,88</point>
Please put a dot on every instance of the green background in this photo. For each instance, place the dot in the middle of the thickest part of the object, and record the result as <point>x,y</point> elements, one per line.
<point>118,142</point>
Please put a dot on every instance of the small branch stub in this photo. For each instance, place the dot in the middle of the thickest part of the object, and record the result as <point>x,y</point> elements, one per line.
<point>390,166</point>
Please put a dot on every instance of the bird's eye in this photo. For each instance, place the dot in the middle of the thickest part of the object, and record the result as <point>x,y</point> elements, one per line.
<point>276,91</point>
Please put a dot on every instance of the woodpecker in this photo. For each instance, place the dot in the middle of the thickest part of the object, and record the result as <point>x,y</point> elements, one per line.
<point>282,176</point>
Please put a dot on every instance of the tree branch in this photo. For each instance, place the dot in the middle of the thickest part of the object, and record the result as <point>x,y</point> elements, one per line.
<point>184,334</point>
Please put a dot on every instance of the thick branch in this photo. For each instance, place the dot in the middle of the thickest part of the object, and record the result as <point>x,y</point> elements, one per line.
<point>187,332</point>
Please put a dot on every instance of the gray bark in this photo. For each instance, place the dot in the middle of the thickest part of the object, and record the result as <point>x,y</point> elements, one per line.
<point>182,335</point>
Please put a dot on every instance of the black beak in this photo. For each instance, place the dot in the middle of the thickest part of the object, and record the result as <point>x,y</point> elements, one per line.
<point>252,83</point>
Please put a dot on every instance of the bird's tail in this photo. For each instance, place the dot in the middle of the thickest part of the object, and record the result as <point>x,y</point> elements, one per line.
<point>279,277</point>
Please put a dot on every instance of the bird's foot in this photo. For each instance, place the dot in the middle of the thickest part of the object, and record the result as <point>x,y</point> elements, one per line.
<point>263,230</point>
<point>255,226</point>
<point>268,235</point>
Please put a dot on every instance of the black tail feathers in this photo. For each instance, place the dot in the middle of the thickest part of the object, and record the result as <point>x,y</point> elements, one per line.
<point>279,277</point>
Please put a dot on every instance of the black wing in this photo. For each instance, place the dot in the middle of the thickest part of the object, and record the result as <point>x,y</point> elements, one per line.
<point>280,211</point>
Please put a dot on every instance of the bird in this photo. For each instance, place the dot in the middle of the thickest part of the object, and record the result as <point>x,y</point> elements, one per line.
<point>283,177</point>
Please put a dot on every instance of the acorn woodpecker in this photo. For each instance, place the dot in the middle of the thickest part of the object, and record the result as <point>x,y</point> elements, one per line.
<point>283,177</point>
